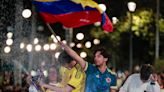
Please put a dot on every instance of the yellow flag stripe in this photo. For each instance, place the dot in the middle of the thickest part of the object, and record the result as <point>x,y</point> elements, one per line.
<point>89,3</point>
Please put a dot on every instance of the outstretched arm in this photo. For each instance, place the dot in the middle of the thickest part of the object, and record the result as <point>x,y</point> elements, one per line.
<point>73,54</point>
<point>67,88</point>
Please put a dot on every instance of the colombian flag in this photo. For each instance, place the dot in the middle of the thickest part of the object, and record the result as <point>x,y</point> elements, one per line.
<point>73,13</point>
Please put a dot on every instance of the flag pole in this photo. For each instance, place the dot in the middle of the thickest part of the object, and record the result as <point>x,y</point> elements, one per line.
<point>52,31</point>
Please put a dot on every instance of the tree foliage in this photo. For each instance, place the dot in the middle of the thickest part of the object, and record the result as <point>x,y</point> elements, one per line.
<point>143,31</point>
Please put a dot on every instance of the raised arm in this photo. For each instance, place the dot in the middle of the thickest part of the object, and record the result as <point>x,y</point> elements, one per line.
<point>73,54</point>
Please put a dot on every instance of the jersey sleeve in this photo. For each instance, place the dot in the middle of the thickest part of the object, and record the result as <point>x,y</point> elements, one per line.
<point>88,68</point>
<point>113,81</point>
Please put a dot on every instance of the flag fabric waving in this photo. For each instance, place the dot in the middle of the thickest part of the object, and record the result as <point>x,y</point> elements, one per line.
<point>73,13</point>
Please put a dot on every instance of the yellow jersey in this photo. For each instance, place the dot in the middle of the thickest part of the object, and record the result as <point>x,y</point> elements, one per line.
<point>74,77</point>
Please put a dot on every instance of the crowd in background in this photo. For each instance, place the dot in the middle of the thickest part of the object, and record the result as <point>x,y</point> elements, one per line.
<point>7,80</point>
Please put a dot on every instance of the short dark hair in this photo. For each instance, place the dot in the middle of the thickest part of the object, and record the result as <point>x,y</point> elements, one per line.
<point>64,58</point>
<point>146,71</point>
<point>103,52</point>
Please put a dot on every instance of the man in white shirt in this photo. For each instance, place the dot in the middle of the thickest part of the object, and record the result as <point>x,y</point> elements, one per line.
<point>144,81</point>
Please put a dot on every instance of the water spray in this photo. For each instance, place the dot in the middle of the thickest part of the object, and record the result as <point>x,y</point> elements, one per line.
<point>34,79</point>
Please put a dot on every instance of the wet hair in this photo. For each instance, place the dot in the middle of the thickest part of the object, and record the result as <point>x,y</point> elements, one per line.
<point>146,71</point>
<point>64,58</point>
<point>103,52</point>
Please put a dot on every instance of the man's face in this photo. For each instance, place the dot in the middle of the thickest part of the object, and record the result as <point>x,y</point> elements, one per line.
<point>99,59</point>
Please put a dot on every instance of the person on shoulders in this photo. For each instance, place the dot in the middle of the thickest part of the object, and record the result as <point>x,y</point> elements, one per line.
<point>74,77</point>
<point>99,78</point>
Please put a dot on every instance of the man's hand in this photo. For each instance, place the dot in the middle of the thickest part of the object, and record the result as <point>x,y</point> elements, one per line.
<point>153,77</point>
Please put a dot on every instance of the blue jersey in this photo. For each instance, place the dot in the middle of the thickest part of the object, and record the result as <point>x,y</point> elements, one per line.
<point>97,81</point>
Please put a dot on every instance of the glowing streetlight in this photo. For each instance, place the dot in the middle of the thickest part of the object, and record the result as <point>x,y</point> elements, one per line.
<point>57,54</point>
<point>36,40</point>
<point>79,45</point>
<point>72,44</point>
<point>96,41</point>
<point>114,20</point>
<point>64,41</point>
<point>26,13</point>
<point>53,46</point>
<point>7,49</point>
<point>131,7</point>
<point>9,35</point>
<point>29,47</point>
<point>45,72</point>
<point>9,41</point>
<point>103,7</point>
<point>97,24</point>
<point>88,44</point>
<point>33,73</point>
<point>22,45</point>
<point>80,36</point>
<point>83,54</point>
<point>46,47</point>
<point>54,38</point>
<point>38,47</point>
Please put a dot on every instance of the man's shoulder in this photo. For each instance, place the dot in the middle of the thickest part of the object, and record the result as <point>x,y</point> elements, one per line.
<point>135,75</point>
<point>111,72</point>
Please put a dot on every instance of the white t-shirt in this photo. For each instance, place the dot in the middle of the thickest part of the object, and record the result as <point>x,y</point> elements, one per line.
<point>134,84</point>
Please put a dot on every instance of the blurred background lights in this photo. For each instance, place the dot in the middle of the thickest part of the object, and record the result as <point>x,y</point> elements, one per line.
<point>38,47</point>
<point>131,6</point>
<point>88,44</point>
<point>9,41</point>
<point>80,36</point>
<point>45,72</point>
<point>114,20</point>
<point>72,44</point>
<point>97,24</point>
<point>9,35</point>
<point>29,47</point>
<point>55,40</point>
<point>26,13</point>
<point>52,36</point>
<point>79,45</point>
<point>58,37</point>
<point>40,28</point>
<point>103,7</point>
<point>46,47</point>
<point>83,54</point>
<point>57,55</point>
<point>53,46</point>
<point>36,40</point>
<point>33,73</point>
<point>96,41</point>
<point>7,49</point>
<point>22,45</point>
<point>64,41</point>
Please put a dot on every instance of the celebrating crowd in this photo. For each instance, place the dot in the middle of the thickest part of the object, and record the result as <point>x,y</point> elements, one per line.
<point>78,75</point>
